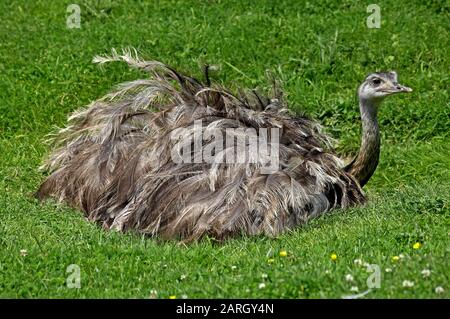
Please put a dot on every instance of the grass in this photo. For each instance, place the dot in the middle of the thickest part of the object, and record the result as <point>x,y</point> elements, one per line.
<point>321,50</point>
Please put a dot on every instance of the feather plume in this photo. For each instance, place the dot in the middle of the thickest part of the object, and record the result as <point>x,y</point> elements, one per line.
<point>114,160</point>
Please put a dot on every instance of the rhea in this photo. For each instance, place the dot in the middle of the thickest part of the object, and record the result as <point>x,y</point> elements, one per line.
<point>115,158</point>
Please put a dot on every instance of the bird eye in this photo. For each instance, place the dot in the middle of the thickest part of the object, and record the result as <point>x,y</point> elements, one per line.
<point>376,81</point>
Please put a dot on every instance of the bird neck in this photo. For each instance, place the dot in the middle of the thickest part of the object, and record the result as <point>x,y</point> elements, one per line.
<point>364,165</point>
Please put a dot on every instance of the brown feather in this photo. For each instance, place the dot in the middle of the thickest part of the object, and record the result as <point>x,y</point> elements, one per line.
<point>114,162</point>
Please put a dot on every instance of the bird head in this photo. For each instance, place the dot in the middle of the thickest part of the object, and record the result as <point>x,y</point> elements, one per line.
<point>378,85</point>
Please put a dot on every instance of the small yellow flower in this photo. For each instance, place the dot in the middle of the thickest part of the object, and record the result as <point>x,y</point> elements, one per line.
<point>270,260</point>
<point>417,245</point>
<point>173,297</point>
<point>333,257</point>
<point>395,258</point>
<point>283,253</point>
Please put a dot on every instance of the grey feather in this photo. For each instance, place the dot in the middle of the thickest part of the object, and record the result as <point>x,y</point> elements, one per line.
<point>113,161</point>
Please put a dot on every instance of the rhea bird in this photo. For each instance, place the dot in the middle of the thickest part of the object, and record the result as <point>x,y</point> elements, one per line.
<point>114,159</point>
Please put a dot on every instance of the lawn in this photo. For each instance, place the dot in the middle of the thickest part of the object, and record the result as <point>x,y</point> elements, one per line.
<point>321,50</point>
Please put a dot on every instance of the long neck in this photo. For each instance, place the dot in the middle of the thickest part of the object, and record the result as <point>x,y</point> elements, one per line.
<point>364,165</point>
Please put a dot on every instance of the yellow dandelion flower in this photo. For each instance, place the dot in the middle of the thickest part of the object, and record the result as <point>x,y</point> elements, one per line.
<point>173,297</point>
<point>270,260</point>
<point>417,245</point>
<point>333,257</point>
<point>395,258</point>
<point>283,253</point>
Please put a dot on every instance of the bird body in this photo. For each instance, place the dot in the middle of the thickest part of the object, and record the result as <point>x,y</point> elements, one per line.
<point>135,160</point>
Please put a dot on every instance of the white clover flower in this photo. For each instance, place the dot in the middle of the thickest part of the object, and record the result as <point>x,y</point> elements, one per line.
<point>426,273</point>
<point>23,252</point>
<point>183,277</point>
<point>358,262</point>
<point>262,285</point>
<point>348,278</point>
<point>401,256</point>
<point>439,290</point>
<point>264,276</point>
<point>388,270</point>
<point>327,272</point>
<point>408,284</point>
<point>153,294</point>
<point>354,289</point>
<point>233,267</point>
<point>184,297</point>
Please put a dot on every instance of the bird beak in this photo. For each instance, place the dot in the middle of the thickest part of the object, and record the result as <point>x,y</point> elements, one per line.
<point>402,89</point>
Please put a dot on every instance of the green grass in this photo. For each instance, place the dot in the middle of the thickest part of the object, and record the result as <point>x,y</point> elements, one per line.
<point>321,50</point>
